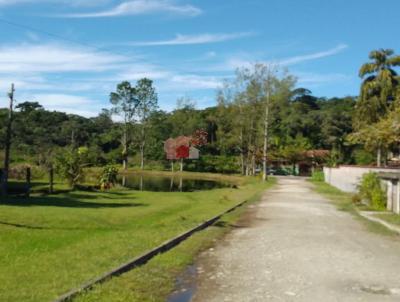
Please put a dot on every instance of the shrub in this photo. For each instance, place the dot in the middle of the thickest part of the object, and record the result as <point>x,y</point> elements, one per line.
<point>318,176</point>
<point>333,159</point>
<point>356,199</point>
<point>370,190</point>
<point>108,177</point>
<point>19,172</point>
<point>362,157</point>
<point>214,164</point>
<point>70,163</point>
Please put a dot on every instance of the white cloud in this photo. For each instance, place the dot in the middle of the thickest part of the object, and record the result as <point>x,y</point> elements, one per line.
<point>32,36</point>
<point>237,62</point>
<point>139,71</point>
<point>29,58</point>
<point>195,39</point>
<point>67,2</point>
<point>141,7</point>
<point>187,82</point>
<point>317,79</point>
<point>23,82</point>
<point>210,54</point>
<point>13,2</point>
<point>68,103</point>
<point>246,60</point>
<point>318,55</point>
<point>61,100</point>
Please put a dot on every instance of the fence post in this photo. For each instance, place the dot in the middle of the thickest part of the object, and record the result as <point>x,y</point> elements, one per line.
<point>51,180</point>
<point>28,181</point>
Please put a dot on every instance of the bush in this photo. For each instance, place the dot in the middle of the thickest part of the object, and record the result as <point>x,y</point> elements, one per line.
<point>70,163</point>
<point>214,164</point>
<point>318,176</point>
<point>108,177</point>
<point>18,172</point>
<point>356,199</point>
<point>370,190</point>
<point>362,157</point>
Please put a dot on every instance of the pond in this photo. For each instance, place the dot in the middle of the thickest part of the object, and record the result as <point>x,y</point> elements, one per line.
<point>157,183</point>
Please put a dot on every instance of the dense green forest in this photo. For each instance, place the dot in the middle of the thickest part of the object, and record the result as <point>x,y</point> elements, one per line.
<point>302,121</point>
<point>260,111</point>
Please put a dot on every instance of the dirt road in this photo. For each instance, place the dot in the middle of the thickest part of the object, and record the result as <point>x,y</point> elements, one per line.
<point>299,247</point>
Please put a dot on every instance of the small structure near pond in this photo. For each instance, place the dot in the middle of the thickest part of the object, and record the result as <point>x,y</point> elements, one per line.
<point>183,147</point>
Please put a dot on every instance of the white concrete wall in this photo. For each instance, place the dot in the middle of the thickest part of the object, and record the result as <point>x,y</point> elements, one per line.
<point>346,178</point>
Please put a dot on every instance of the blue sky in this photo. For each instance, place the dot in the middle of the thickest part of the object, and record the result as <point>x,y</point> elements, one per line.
<point>188,47</point>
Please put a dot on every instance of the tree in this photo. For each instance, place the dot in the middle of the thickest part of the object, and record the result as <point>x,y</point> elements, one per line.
<point>254,101</point>
<point>70,163</point>
<point>379,91</point>
<point>332,124</point>
<point>125,103</point>
<point>159,130</point>
<point>379,87</point>
<point>294,151</point>
<point>185,119</point>
<point>147,104</point>
<point>379,136</point>
<point>27,107</point>
<point>8,142</point>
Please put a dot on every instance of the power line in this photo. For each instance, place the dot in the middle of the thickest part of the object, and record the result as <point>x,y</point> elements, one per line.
<point>59,37</point>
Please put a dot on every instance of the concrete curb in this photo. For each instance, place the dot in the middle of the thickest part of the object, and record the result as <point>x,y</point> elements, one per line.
<point>370,217</point>
<point>144,258</point>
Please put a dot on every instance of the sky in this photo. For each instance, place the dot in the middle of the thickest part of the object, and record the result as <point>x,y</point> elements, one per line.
<point>68,55</point>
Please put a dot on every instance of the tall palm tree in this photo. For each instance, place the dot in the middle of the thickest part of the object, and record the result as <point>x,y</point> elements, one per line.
<point>379,90</point>
<point>379,87</point>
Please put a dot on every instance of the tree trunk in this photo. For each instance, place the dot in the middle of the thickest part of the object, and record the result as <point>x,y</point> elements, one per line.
<point>181,164</point>
<point>378,157</point>
<point>125,148</point>
<point>247,165</point>
<point>4,174</point>
<point>242,167</point>
<point>142,157</point>
<point>141,182</point>
<point>180,184</point>
<point>265,147</point>
<point>241,142</point>
<point>253,164</point>
<point>385,159</point>
<point>142,144</point>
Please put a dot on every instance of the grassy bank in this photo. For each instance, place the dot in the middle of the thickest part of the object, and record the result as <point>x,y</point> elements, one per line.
<point>343,201</point>
<point>389,217</point>
<point>50,244</point>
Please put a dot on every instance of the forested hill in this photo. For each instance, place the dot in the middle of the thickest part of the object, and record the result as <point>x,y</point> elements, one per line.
<point>302,123</point>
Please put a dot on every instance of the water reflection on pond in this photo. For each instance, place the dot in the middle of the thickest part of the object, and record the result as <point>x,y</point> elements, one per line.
<point>175,183</point>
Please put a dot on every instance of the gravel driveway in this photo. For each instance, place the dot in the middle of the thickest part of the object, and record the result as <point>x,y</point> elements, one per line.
<point>299,247</point>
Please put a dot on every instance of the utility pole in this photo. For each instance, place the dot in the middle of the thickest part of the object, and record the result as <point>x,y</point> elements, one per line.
<point>4,180</point>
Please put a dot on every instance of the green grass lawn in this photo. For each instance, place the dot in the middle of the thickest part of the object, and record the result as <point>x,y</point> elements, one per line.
<point>51,244</point>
